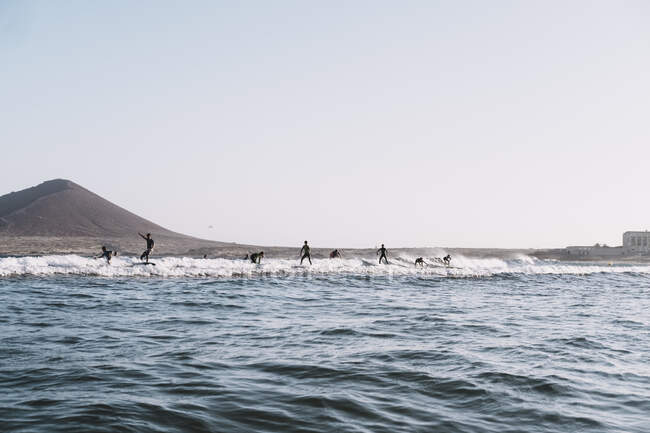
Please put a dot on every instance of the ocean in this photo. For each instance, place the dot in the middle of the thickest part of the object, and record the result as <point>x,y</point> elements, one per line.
<point>215,345</point>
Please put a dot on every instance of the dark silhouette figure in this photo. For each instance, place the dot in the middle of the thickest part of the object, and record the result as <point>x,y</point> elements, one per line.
<point>246,258</point>
<point>446,260</point>
<point>107,254</point>
<point>336,254</point>
<point>257,257</point>
<point>150,243</point>
<point>305,253</point>
<point>382,254</point>
<point>205,256</point>
<point>419,261</point>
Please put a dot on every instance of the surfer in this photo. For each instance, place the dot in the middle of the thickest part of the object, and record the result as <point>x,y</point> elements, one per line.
<point>257,257</point>
<point>305,253</point>
<point>383,252</point>
<point>336,254</point>
<point>150,244</point>
<point>419,261</point>
<point>108,254</point>
<point>446,260</point>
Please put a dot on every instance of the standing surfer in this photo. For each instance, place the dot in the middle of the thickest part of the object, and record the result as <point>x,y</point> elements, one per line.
<point>305,253</point>
<point>383,252</point>
<point>150,244</point>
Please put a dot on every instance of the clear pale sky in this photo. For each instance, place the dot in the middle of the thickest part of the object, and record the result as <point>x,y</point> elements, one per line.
<point>348,123</point>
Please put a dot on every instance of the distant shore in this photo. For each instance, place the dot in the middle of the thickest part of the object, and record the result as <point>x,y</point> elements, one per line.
<point>169,246</point>
<point>35,245</point>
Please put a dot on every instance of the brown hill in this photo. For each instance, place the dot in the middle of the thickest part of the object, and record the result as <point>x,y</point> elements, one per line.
<point>63,208</point>
<point>60,212</point>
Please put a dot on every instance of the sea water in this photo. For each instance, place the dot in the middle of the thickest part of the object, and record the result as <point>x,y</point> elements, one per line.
<point>191,345</point>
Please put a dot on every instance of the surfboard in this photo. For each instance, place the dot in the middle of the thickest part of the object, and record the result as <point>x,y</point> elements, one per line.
<point>144,263</point>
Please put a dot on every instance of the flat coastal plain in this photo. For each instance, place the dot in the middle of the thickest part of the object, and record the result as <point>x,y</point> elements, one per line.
<point>172,246</point>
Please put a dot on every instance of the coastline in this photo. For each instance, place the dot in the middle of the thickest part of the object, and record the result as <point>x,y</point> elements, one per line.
<point>174,246</point>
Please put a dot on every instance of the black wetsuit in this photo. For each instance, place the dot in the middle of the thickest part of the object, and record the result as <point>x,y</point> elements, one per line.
<point>419,261</point>
<point>447,260</point>
<point>150,244</point>
<point>256,258</point>
<point>335,254</point>
<point>383,252</point>
<point>306,253</point>
<point>107,255</point>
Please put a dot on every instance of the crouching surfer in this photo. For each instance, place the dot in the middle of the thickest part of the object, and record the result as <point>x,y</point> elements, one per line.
<point>150,244</point>
<point>336,254</point>
<point>108,254</point>
<point>419,261</point>
<point>257,257</point>
<point>446,260</point>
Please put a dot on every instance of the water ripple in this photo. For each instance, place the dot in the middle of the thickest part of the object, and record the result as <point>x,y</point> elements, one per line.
<point>325,352</point>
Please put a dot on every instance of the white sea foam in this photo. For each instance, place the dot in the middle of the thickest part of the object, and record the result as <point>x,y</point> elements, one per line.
<point>189,267</point>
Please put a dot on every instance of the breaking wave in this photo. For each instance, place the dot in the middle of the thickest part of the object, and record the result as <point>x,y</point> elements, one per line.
<point>228,268</point>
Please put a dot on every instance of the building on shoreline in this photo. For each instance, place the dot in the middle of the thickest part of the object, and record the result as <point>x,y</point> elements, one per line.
<point>594,251</point>
<point>636,242</point>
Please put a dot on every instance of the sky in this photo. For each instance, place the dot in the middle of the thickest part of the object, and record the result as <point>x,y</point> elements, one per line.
<point>348,123</point>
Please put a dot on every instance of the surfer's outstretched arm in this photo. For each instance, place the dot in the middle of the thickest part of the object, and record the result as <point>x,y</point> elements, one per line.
<point>142,236</point>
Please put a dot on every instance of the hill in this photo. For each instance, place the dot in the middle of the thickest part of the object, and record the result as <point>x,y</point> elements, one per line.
<point>63,208</point>
<point>61,216</point>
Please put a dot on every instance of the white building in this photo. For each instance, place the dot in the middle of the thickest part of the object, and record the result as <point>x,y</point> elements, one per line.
<point>636,242</point>
<point>596,251</point>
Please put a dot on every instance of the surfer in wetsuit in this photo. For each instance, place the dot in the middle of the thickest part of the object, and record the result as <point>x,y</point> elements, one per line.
<point>150,244</point>
<point>305,253</point>
<point>383,252</point>
<point>446,260</point>
<point>257,257</point>
<point>108,254</point>
<point>336,254</point>
<point>419,261</point>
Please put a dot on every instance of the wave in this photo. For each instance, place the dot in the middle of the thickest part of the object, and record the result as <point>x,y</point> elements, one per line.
<point>399,266</point>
